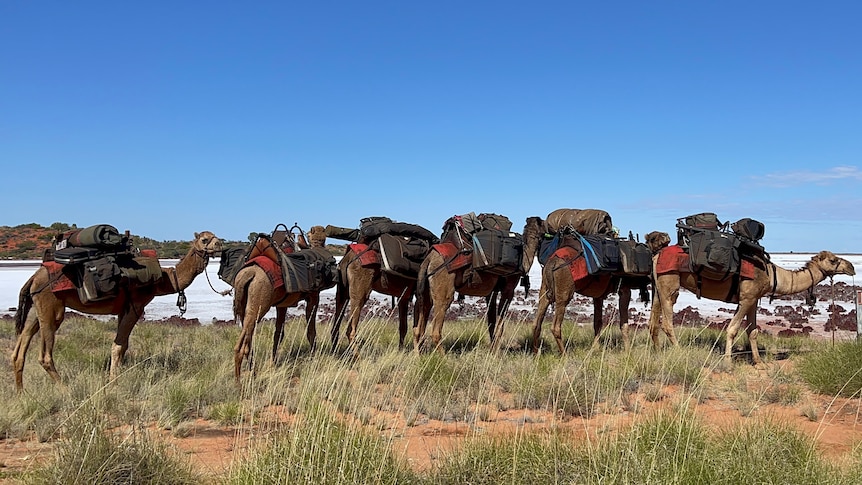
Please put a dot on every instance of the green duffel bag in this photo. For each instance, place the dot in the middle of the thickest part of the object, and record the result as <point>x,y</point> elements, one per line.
<point>98,236</point>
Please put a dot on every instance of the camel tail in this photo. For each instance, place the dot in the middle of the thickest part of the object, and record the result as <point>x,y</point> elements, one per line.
<point>240,295</point>
<point>25,303</point>
<point>422,281</point>
<point>422,293</point>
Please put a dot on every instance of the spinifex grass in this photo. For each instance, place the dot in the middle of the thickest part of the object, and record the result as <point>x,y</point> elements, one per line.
<point>338,414</point>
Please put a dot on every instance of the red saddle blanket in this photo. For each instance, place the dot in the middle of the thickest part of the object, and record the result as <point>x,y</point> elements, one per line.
<point>59,280</point>
<point>577,263</point>
<point>270,267</point>
<point>674,259</point>
<point>455,259</point>
<point>368,258</point>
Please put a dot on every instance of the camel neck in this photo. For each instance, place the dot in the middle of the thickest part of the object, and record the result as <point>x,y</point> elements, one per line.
<point>796,281</point>
<point>193,264</point>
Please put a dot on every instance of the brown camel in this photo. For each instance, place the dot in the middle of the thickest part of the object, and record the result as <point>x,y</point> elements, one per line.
<point>559,286</point>
<point>767,280</point>
<point>355,286</point>
<point>43,310</point>
<point>254,295</point>
<point>436,287</point>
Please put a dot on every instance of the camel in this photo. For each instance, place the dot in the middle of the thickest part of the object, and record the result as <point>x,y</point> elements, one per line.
<point>254,295</point>
<point>558,287</point>
<point>356,284</point>
<point>43,310</point>
<point>436,287</point>
<point>768,279</point>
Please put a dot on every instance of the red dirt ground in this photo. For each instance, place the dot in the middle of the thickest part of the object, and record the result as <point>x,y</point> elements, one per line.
<point>213,449</point>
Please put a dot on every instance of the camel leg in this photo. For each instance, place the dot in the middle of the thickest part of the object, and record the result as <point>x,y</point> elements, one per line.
<point>311,305</point>
<point>625,298</point>
<point>421,313</point>
<point>598,319</point>
<point>359,298</point>
<point>667,318</point>
<point>491,315</point>
<point>342,297</point>
<point>442,296</point>
<point>745,307</point>
<point>655,320</point>
<point>242,349</point>
<point>403,310</point>
<point>258,297</point>
<point>661,316</point>
<point>557,328</point>
<point>19,354</point>
<point>51,313</point>
<point>563,294</point>
<point>46,354</point>
<point>541,310</point>
<point>753,332</point>
<point>127,320</point>
<point>505,301</point>
<point>278,334</point>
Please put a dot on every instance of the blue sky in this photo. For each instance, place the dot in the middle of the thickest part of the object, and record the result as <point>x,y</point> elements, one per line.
<point>167,118</point>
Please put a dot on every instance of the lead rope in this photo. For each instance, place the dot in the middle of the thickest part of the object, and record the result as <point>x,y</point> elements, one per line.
<point>222,293</point>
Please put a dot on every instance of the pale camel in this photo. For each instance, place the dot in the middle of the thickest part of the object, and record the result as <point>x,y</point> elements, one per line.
<point>436,287</point>
<point>43,310</point>
<point>768,280</point>
<point>355,286</point>
<point>558,287</point>
<point>254,295</point>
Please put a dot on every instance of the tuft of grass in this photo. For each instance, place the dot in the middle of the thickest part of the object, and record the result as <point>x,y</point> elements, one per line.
<point>517,458</point>
<point>833,369</point>
<point>91,452</point>
<point>226,413</point>
<point>322,449</point>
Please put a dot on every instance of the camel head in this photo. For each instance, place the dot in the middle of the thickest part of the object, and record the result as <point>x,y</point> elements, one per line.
<point>831,265</point>
<point>206,244</point>
<point>534,229</point>
<point>316,236</point>
<point>656,240</point>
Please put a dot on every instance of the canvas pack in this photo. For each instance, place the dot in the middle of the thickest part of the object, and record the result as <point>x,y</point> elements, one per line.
<point>714,254</point>
<point>498,252</point>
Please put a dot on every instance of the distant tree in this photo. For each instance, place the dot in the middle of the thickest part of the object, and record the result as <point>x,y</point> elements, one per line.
<point>61,227</point>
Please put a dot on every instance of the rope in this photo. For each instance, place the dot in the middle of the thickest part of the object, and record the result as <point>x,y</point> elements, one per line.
<point>222,293</point>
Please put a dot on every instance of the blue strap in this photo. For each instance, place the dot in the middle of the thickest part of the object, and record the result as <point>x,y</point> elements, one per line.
<point>588,250</point>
